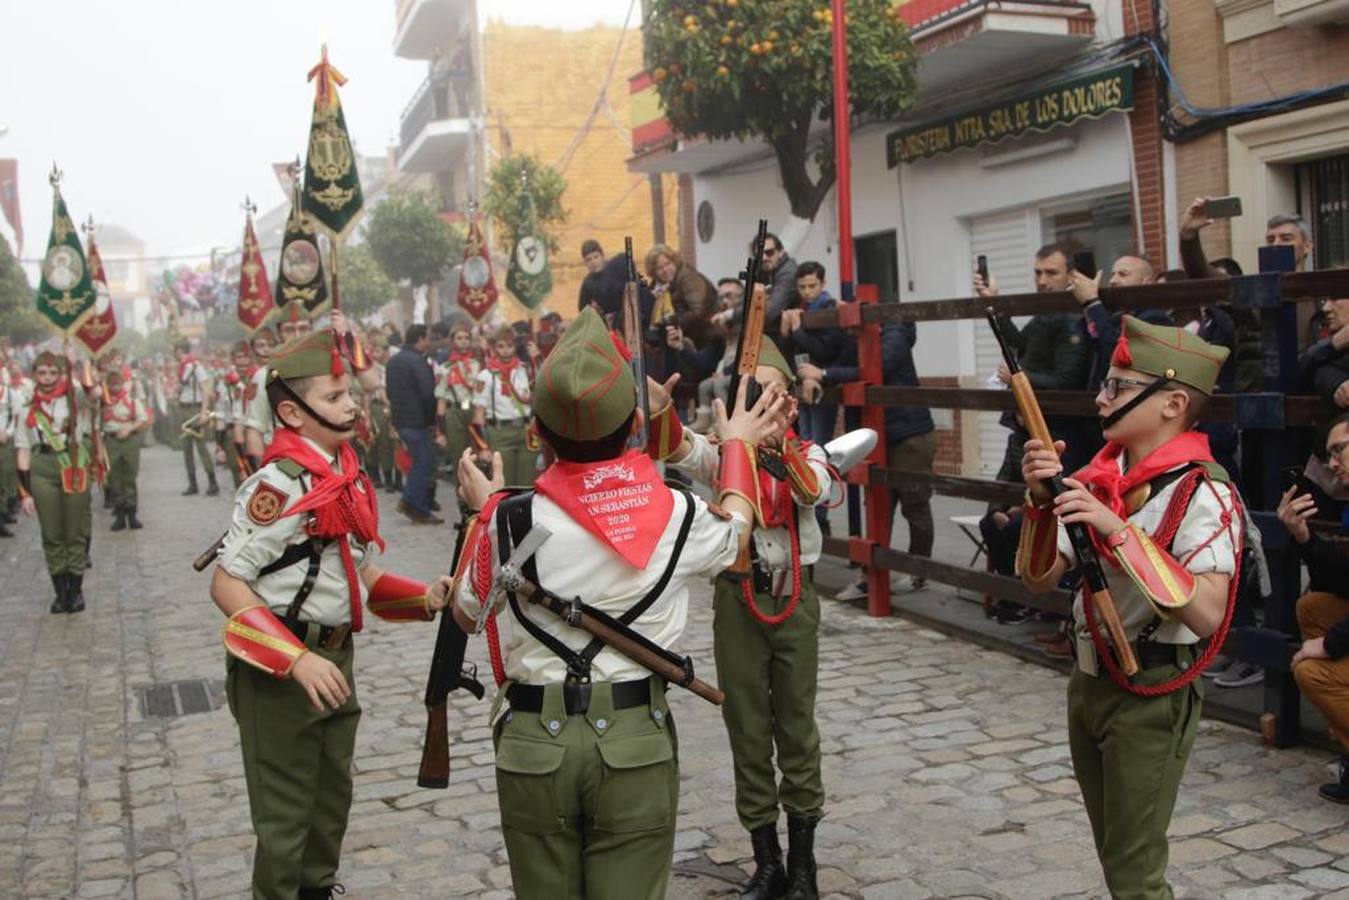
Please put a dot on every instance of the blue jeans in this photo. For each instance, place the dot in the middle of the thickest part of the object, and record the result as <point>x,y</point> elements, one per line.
<point>815,423</point>
<point>415,487</point>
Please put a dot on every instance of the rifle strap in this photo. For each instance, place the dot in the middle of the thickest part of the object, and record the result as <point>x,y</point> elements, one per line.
<point>514,517</point>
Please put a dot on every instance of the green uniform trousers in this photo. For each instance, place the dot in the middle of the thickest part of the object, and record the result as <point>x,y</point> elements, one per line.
<point>124,465</point>
<point>589,801</point>
<point>9,473</point>
<point>769,676</point>
<point>64,519</point>
<point>914,497</point>
<point>381,444</point>
<point>1128,756</point>
<point>517,460</point>
<point>201,446</point>
<point>456,436</point>
<point>297,765</point>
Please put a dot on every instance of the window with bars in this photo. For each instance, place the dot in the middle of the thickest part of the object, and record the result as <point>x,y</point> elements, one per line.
<point>1328,180</point>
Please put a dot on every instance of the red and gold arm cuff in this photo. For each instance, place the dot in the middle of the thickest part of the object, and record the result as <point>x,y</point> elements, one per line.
<point>1038,547</point>
<point>739,474</point>
<point>804,480</point>
<point>256,636</point>
<point>1163,580</point>
<point>665,433</point>
<point>399,599</point>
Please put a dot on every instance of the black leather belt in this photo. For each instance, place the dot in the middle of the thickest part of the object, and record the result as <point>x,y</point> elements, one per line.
<point>626,694</point>
<point>43,448</point>
<point>506,423</point>
<point>329,637</point>
<point>763,579</point>
<point>1153,653</point>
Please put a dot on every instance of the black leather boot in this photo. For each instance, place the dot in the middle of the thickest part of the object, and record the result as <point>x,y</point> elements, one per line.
<point>801,859</point>
<point>770,878</point>
<point>321,893</point>
<point>376,478</point>
<point>75,593</point>
<point>60,604</point>
<point>119,519</point>
<point>212,486</point>
<point>131,520</point>
<point>4,529</point>
<point>191,488</point>
<point>1338,791</point>
<point>107,501</point>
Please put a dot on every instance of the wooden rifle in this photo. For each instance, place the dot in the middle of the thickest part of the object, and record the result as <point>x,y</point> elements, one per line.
<point>1087,559</point>
<point>448,673</point>
<point>632,338</point>
<point>753,312</point>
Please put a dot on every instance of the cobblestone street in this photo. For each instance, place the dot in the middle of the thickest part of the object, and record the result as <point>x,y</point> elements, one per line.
<point>946,765</point>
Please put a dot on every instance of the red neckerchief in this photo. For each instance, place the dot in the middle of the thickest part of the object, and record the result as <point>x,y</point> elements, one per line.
<point>339,508</point>
<point>182,366</point>
<point>504,370</point>
<point>623,502</point>
<point>40,401</point>
<point>1107,483</point>
<point>455,376</point>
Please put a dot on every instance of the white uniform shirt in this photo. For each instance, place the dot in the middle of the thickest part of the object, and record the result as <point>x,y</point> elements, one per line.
<point>500,406</point>
<point>461,393</point>
<point>573,562</point>
<point>1201,521</point>
<point>773,545</point>
<point>10,400</point>
<point>129,411</point>
<point>26,438</point>
<point>250,547</point>
<point>194,384</point>
<point>258,413</point>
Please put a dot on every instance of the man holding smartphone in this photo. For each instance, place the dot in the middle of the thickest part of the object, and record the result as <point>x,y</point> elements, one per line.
<point>1321,664</point>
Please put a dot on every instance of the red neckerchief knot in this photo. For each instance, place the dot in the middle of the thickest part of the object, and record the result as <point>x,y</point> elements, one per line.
<point>338,507</point>
<point>42,398</point>
<point>504,370</point>
<point>1103,478</point>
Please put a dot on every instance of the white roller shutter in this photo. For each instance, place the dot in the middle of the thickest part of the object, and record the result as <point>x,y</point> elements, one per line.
<point>1005,238</point>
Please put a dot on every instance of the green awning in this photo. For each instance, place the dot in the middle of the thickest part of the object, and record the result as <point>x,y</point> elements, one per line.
<point>1088,96</point>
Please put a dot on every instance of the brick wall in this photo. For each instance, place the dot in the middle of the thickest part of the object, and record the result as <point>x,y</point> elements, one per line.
<point>948,439</point>
<point>1146,132</point>
<point>543,106</point>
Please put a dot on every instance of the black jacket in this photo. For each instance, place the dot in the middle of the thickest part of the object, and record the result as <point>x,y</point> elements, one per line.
<point>1322,368</point>
<point>411,386</point>
<point>897,369</point>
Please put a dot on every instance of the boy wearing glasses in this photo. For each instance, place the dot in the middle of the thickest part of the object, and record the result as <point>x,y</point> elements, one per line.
<point>1167,527</point>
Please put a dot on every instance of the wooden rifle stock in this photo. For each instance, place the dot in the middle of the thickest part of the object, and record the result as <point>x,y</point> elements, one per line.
<point>435,767</point>
<point>619,642</point>
<point>209,555</point>
<point>1028,407</point>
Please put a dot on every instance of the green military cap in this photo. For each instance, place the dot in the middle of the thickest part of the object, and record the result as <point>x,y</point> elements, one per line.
<point>585,390</point>
<point>305,357</point>
<point>771,356</point>
<point>1169,352</point>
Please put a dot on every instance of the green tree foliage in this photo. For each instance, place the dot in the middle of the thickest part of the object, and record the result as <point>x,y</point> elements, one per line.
<point>749,69</point>
<point>19,320</point>
<point>410,240</point>
<point>514,180</point>
<point>362,282</point>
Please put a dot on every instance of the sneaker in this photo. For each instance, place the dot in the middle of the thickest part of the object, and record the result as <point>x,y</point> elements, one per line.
<point>1240,674</point>
<point>1221,663</point>
<point>1338,791</point>
<point>1007,613</point>
<point>855,591</point>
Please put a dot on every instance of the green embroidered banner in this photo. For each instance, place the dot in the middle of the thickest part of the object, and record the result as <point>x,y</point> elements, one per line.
<point>65,294</point>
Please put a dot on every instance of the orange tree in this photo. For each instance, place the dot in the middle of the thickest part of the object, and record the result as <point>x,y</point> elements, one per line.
<point>748,68</point>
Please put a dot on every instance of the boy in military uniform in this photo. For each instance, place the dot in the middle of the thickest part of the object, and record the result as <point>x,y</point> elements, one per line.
<point>1168,525</point>
<point>501,408</point>
<point>124,418</point>
<point>259,425</point>
<point>587,773</point>
<point>384,473</point>
<point>194,404</point>
<point>454,392</point>
<point>53,461</point>
<point>766,639</point>
<point>290,579</point>
<point>233,408</point>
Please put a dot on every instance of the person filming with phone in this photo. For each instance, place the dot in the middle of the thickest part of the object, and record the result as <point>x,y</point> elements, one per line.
<point>1321,664</point>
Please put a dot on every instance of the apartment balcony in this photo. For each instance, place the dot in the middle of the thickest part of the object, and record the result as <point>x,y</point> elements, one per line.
<point>437,126</point>
<point>959,42</point>
<point>425,27</point>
